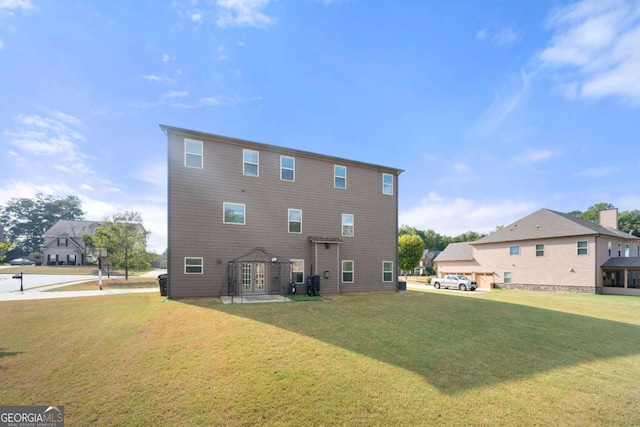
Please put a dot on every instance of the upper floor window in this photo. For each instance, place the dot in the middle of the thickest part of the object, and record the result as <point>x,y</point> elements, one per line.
<point>347,271</point>
<point>295,221</point>
<point>340,176</point>
<point>62,241</point>
<point>297,270</point>
<point>387,271</point>
<point>347,225</point>
<point>193,265</point>
<point>540,249</point>
<point>514,250</point>
<point>251,160</point>
<point>193,153</point>
<point>234,213</point>
<point>287,168</point>
<point>627,250</point>
<point>583,247</point>
<point>609,248</point>
<point>387,184</point>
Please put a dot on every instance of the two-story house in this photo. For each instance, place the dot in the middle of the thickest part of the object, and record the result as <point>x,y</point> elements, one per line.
<point>63,243</point>
<point>248,218</point>
<point>551,251</point>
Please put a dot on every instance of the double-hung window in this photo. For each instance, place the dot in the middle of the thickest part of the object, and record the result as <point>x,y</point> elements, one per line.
<point>340,176</point>
<point>251,162</point>
<point>387,271</point>
<point>193,265</point>
<point>507,277</point>
<point>347,225</point>
<point>540,249</point>
<point>62,241</point>
<point>347,271</point>
<point>387,184</point>
<point>514,250</point>
<point>287,168</point>
<point>193,153</point>
<point>234,213</point>
<point>582,247</point>
<point>297,270</point>
<point>295,221</point>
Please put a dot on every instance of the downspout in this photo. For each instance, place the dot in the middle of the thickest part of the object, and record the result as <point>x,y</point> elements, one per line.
<point>166,132</point>
<point>397,230</point>
<point>339,273</point>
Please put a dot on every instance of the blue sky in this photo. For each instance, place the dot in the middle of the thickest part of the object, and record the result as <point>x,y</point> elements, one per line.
<point>494,109</point>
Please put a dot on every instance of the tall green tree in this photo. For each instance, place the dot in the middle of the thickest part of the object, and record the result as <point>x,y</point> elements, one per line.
<point>26,220</point>
<point>629,222</point>
<point>593,212</point>
<point>125,238</point>
<point>4,248</point>
<point>410,249</point>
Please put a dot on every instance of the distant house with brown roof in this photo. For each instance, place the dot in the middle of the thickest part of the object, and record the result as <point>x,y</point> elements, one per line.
<point>551,251</point>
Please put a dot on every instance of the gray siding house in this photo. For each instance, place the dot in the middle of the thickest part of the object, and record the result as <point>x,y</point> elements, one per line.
<point>247,218</point>
<point>63,243</point>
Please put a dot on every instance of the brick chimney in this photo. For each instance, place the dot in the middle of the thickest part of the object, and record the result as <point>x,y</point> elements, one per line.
<point>609,218</point>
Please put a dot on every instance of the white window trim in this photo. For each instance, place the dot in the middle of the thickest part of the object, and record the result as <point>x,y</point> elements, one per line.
<point>289,221</point>
<point>194,257</point>
<point>245,162</point>
<point>200,154</point>
<point>224,210</point>
<point>544,248</point>
<point>282,168</point>
<point>292,272</point>
<point>385,271</point>
<point>504,277</point>
<point>384,185</point>
<point>514,246</point>
<point>578,247</point>
<point>353,225</point>
<point>335,176</point>
<point>353,271</point>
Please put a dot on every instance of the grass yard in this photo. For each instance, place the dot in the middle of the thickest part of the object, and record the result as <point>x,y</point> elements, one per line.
<point>420,358</point>
<point>112,283</point>
<point>64,269</point>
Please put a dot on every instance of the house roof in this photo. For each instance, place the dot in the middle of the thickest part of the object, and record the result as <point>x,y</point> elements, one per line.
<point>460,251</point>
<point>430,253</point>
<point>70,228</point>
<point>622,262</point>
<point>545,224</point>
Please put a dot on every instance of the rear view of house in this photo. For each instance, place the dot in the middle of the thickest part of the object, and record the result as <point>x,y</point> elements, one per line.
<point>249,218</point>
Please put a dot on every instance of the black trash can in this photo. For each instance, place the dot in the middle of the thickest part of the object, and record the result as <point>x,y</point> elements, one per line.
<point>402,286</point>
<point>162,281</point>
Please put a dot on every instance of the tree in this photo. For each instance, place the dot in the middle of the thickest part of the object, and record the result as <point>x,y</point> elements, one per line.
<point>629,222</point>
<point>26,220</point>
<point>410,249</point>
<point>593,212</point>
<point>4,248</point>
<point>125,239</point>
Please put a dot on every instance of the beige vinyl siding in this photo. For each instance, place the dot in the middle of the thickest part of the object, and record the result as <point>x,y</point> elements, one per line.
<point>196,198</point>
<point>560,264</point>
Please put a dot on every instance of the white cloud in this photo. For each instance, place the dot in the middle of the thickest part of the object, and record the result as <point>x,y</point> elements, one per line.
<point>196,16</point>
<point>597,172</point>
<point>532,155</point>
<point>502,106</point>
<point>175,94</point>
<point>452,217</point>
<point>17,5</point>
<point>155,78</point>
<point>243,13</point>
<point>481,34</point>
<point>505,36</point>
<point>166,57</point>
<point>595,49</point>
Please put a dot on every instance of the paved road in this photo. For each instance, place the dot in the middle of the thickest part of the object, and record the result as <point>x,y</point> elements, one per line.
<point>30,281</point>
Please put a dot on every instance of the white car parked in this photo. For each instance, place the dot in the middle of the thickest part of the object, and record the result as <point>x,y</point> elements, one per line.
<point>454,281</point>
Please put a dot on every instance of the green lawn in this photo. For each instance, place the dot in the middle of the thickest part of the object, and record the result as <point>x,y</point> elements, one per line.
<point>420,358</point>
<point>64,269</point>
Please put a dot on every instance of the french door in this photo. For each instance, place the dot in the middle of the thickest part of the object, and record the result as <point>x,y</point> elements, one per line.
<point>253,278</point>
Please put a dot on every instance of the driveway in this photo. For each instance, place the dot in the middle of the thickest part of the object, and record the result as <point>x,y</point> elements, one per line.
<point>30,281</point>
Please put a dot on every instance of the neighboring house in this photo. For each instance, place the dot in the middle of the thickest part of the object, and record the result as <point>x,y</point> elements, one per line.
<point>249,218</point>
<point>63,243</point>
<point>425,261</point>
<point>551,251</point>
